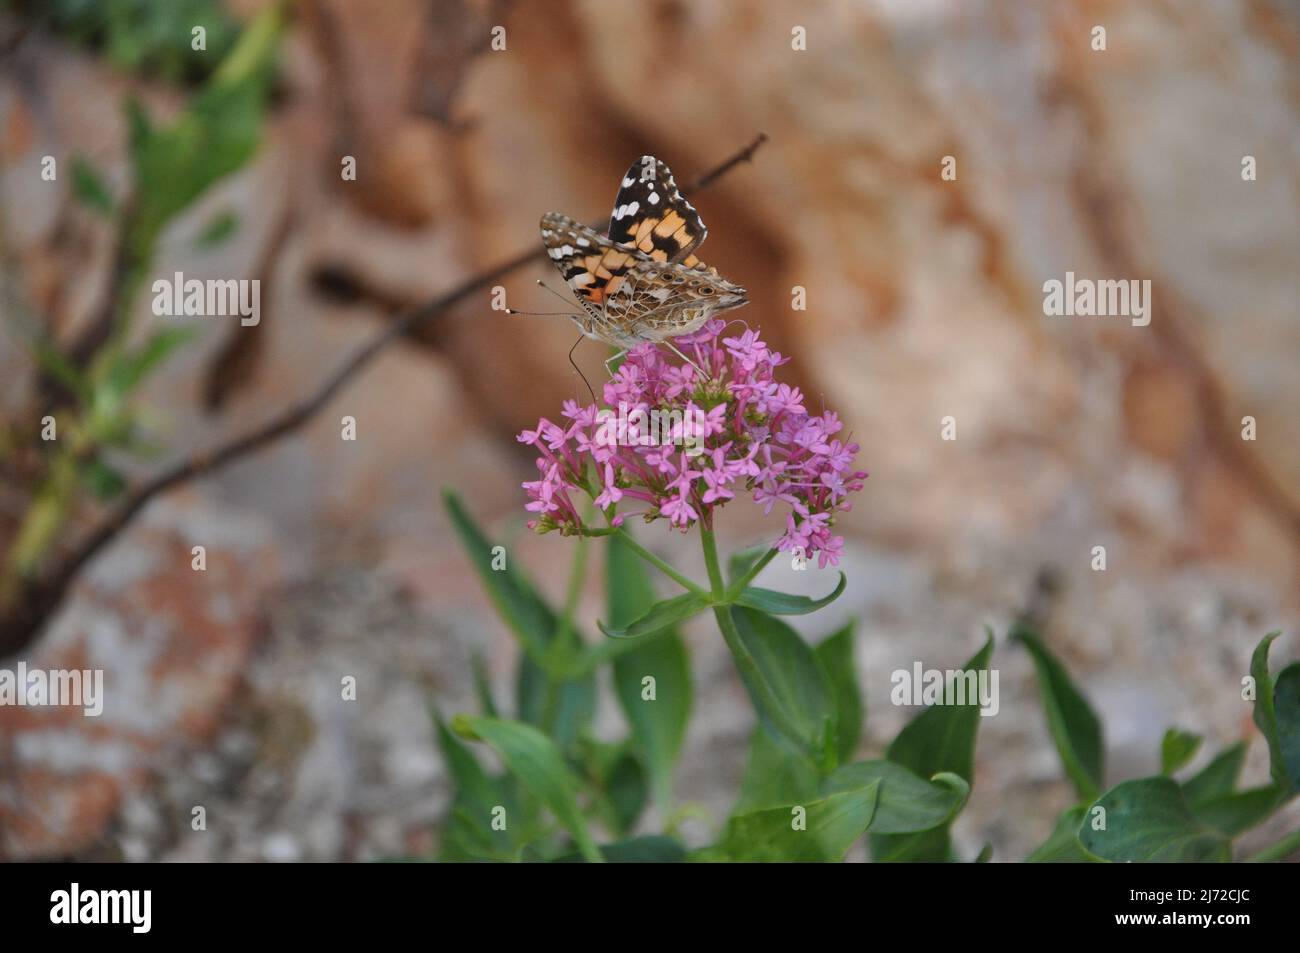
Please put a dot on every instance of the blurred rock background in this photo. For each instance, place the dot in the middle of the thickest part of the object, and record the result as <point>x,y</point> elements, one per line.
<point>924,300</point>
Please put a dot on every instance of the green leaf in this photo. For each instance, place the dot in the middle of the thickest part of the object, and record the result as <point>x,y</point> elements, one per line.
<point>650,849</point>
<point>482,685</point>
<point>942,738</point>
<point>1074,727</point>
<point>89,188</point>
<point>660,616</point>
<point>615,775</point>
<point>1177,748</point>
<point>1279,725</point>
<point>1239,811</point>
<point>939,739</point>
<point>1286,713</point>
<point>532,758</point>
<point>532,621</point>
<point>1218,778</point>
<point>830,825</point>
<point>217,133</point>
<point>1063,846</point>
<point>776,773</point>
<point>780,603</point>
<point>562,706</point>
<point>565,705</point>
<point>1148,820</point>
<point>467,832</point>
<point>835,653</point>
<point>658,724</point>
<point>788,686</point>
<point>906,803</point>
<point>129,368</point>
<point>626,790</point>
<point>985,855</point>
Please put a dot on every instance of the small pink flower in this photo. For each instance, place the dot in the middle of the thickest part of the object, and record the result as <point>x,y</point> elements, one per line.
<point>742,427</point>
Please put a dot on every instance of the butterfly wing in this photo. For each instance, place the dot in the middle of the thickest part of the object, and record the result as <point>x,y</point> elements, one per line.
<point>652,216</point>
<point>592,266</point>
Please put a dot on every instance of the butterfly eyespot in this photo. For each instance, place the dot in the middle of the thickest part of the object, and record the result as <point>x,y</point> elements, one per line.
<point>707,291</point>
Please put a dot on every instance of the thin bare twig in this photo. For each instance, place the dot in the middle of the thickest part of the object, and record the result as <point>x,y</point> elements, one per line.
<point>41,595</point>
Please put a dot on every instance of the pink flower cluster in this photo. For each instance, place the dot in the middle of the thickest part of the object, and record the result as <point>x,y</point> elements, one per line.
<point>685,439</point>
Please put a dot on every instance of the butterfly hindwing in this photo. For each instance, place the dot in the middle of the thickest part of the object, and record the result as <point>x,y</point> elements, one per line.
<point>652,216</point>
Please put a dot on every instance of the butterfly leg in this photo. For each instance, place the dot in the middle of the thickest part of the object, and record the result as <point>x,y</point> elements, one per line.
<point>673,347</point>
<point>610,360</point>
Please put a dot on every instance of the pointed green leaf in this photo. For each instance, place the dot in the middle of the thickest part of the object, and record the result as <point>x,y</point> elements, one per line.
<point>942,738</point>
<point>1277,715</point>
<point>467,832</point>
<point>835,653</point>
<point>819,831</point>
<point>1074,727</point>
<point>789,688</point>
<point>1286,714</point>
<point>776,773</point>
<point>130,368</point>
<point>939,739</point>
<point>482,685</point>
<point>1218,778</point>
<point>660,616</point>
<point>1063,846</point>
<point>563,705</point>
<point>534,759</point>
<point>616,780</point>
<point>1264,714</point>
<point>1239,811</point>
<point>906,803</point>
<point>1177,748</point>
<point>780,603</point>
<point>1149,821</point>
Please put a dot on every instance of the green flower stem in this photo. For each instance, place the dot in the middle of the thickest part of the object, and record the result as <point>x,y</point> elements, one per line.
<point>739,585</point>
<point>717,588</point>
<point>759,688</point>
<point>1284,848</point>
<point>577,573</point>
<point>655,561</point>
<point>561,649</point>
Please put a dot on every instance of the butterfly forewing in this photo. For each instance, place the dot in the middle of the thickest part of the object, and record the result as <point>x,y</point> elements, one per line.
<point>651,215</point>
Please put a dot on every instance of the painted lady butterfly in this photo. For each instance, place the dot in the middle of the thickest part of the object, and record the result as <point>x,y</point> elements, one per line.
<point>643,282</point>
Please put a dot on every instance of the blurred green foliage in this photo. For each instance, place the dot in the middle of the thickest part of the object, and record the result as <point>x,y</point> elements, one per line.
<point>150,37</point>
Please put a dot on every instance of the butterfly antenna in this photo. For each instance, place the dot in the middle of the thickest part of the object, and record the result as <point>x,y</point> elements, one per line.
<point>552,290</point>
<point>549,314</point>
<point>579,370</point>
